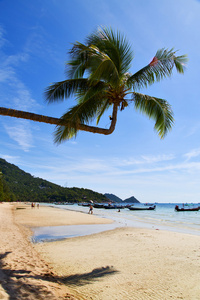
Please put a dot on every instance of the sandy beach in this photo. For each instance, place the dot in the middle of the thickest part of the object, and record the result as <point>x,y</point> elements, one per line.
<point>124,263</point>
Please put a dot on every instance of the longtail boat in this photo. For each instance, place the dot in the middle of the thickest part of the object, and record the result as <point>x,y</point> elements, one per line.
<point>143,208</point>
<point>177,208</point>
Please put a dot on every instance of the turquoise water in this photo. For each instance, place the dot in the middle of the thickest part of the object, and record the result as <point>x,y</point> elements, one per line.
<point>163,218</point>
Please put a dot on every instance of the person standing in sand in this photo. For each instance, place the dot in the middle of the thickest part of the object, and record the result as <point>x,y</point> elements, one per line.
<point>91,209</point>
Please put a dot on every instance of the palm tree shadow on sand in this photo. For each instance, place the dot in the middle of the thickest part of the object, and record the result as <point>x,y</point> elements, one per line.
<point>87,278</point>
<point>25,284</point>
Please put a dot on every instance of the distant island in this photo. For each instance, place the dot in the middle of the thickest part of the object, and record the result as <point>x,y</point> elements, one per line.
<point>17,185</point>
<point>118,200</point>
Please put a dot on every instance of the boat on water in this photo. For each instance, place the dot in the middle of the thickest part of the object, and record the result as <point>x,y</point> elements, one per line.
<point>177,208</point>
<point>97,205</point>
<point>84,204</point>
<point>109,206</point>
<point>142,208</point>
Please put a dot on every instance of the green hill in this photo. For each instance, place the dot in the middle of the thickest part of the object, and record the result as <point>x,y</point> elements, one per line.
<point>25,187</point>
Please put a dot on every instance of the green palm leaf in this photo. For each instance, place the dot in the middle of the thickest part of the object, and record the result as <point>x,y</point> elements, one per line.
<point>102,68</point>
<point>156,109</point>
<point>80,55</point>
<point>180,63</point>
<point>64,89</point>
<point>115,46</point>
<point>90,106</point>
<point>160,67</point>
<point>102,110</point>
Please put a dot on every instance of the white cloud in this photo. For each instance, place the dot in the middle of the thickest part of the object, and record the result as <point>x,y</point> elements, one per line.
<point>16,59</point>
<point>12,159</point>
<point>6,74</point>
<point>142,160</point>
<point>159,158</point>
<point>193,153</point>
<point>107,169</point>
<point>20,133</point>
<point>2,40</point>
<point>18,94</point>
<point>15,94</point>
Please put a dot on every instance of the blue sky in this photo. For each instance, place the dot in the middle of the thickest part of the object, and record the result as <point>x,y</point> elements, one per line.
<point>35,37</point>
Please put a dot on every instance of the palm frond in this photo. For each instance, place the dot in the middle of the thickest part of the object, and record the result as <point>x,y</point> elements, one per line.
<point>121,50</point>
<point>85,111</point>
<point>64,89</point>
<point>156,109</point>
<point>101,110</point>
<point>96,92</point>
<point>80,55</point>
<point>160,67</point>
<point>180,63</point>
<point>75,69</point>
<point>64,133</point>
<point>103,68</point>
<point>114,45</point>
<point>94,88</point>
<point>82,113</point>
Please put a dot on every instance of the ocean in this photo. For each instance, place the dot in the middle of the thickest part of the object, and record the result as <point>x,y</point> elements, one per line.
<point>163,218</point>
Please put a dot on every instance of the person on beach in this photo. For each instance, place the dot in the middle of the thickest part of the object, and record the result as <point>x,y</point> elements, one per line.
<point>91,209</point>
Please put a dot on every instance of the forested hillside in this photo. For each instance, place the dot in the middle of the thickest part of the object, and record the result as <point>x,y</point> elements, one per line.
<point>25,187</point>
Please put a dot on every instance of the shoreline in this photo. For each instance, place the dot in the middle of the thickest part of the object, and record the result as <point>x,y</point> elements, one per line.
<point>124,263</point>
<point>53,233</point>
<point>168,221</point>
<point>47,215</point>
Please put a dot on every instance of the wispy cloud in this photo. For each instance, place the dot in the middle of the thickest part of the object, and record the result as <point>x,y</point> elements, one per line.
<point>2,39</point>
<point>18,94</point>
<point>140,182</point>
<point>107,168</point>
<point>10,158</point>
<point>20,133</point>
<point>15,94</point>
<point>193,153</point>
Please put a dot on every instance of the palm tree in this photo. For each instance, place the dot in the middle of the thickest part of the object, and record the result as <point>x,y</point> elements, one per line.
<point>98,76</point>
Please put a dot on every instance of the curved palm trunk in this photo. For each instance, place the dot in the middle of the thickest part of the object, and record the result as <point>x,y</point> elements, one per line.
<point>56,121</point>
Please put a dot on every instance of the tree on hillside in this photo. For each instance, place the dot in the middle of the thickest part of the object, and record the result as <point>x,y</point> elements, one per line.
<point>5,194</point>
<point>1,187</point>
<point>99,77</point>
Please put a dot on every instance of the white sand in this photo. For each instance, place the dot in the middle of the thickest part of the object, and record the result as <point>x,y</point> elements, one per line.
<point>125,263</point>
<point>129,263</point>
